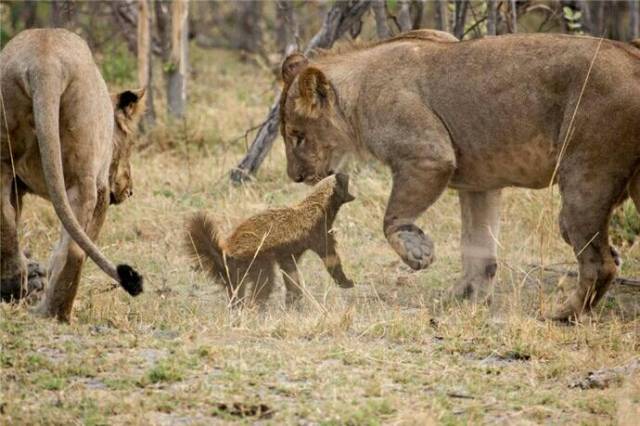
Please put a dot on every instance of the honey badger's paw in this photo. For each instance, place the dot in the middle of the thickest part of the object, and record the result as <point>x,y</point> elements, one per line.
<point>413,246</point>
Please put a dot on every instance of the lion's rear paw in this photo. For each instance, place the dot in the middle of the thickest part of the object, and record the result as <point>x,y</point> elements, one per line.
<point>413,246</point>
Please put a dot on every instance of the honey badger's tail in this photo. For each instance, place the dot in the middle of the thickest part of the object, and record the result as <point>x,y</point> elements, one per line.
<point>203,242</point>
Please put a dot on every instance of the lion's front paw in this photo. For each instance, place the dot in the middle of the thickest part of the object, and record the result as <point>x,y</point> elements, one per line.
<point>413,246</point>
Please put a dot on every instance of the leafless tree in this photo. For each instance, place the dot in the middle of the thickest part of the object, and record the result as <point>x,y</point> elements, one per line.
<point>339,19</point>
<point>404,15</point>
<point>144,59</point>
<point>460,18</point>
<point>380,15</point>
<point>492,17</point>
<point>176,68</point>
<point>514,16</point>
<point>287,32</point>
<point>442,15</point>
<point>634,19</point>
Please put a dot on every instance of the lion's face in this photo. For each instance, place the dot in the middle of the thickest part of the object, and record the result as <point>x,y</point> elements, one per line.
<point>128,109</point>
<point>315,133</point>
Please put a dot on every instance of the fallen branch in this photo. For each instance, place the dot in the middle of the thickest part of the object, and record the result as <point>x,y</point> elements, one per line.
<point>618,280</point>
<point>342,16</point>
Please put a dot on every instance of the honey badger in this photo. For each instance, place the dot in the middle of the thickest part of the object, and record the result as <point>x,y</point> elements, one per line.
<point>276,236</point>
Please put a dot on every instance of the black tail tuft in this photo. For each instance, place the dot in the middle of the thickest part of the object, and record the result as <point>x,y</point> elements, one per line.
<point>130,280</point>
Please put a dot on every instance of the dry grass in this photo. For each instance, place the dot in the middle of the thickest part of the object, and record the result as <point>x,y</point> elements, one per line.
<point>392,350</point>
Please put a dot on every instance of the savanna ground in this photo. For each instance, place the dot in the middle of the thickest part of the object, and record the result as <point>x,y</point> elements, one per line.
<point>393,350</point>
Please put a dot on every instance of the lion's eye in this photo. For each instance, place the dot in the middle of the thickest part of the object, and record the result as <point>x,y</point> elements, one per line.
<point>298,140</point>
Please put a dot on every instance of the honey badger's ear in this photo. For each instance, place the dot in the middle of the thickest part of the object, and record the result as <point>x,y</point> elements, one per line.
<point>316,93</point>
<point>292,66</point>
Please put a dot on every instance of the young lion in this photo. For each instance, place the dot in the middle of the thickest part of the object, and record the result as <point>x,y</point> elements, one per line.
<point>64,139</point>
<point>277,236</point>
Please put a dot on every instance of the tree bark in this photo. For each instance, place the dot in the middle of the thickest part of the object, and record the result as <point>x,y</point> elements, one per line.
<point>250,36</point>
<point>460,18</point>
<point>514,16</point>
<point>634,19</point>
<point>144,60</point>
<point>442,15</point>
<point>287,27</point>
<point>380,14</point>
<point>176,68</point>
<point>404,15</point>
<point>338,20</point>
<point>417,12</point>
<point>492,17</point>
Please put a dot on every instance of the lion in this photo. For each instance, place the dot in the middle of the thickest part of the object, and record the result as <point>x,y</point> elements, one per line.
<point>62,140</point>
<point>526,110</point>
<point>274,237</point>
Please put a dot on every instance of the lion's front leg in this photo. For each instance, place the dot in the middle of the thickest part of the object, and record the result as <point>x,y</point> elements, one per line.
<point>417,184</point>
<point>480,227</point>
<point>89,207</point>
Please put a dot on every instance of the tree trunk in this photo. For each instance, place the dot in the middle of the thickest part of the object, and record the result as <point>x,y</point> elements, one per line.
<point>514,17</point>
<point>176,68</point>
<point>460,18</point>
<point>380,14</point>
<point>338,20</point>
<point>587,21</point>
<point>144,60</point>
<point>442,15</point>
<point>62,12</point>
<point>492,17</point>
<point>634,19</point>
<point>250,36</point>
<point>404,15</point>
<point>287,27</point>
<point>417,12</point>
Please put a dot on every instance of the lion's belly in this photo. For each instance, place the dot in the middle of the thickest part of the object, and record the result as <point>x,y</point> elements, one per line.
<point>482,167</point>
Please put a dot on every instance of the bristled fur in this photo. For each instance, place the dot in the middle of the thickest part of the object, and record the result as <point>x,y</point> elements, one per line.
<point>278,227</point>
<point>203,244</point>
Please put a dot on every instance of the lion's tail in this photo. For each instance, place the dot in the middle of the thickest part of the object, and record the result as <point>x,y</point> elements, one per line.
<point>204,244</point>
<point>47,86</point>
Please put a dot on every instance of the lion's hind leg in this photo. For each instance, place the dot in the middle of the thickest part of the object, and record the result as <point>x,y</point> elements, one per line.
<point>13,269</point>
<point>585,214</point>
<point>90,207</point>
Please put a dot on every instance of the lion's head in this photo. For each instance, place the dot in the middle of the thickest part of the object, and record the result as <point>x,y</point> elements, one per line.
<point>128,109</point>
<point>316,133</point>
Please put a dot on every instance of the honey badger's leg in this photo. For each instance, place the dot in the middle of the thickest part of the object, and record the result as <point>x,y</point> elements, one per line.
<point>288,266</point>
<point>480,226</point>
<point>13,270</point>
<point>261,275</point>
<point>331,259</point>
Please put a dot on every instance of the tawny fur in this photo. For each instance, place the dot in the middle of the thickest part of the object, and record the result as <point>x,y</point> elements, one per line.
<point>63,138</point>
<point>250,253</point>
<point>478,116</point>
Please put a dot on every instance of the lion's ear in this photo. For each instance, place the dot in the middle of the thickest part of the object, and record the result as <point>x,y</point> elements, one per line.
<point>316,93</point>
<point>292,66</point>
<point>129,103</point>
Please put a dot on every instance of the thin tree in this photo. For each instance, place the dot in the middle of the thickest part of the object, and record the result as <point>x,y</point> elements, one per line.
<point>287,32</point>
<point>144,59</point>
<point>634,19</point>
<point>460,20</point>
<point>339,19</point>
<point>492,17</point>
<point>176,68</point>
<point>380,15</point>
<point>442,15</point>
<point>404,15</point>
